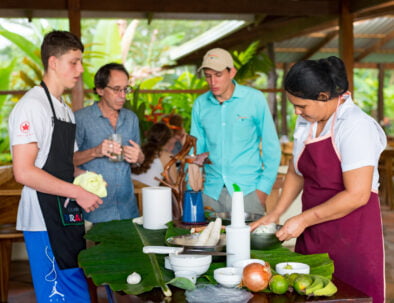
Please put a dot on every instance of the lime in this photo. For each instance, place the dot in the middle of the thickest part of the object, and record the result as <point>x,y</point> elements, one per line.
<point>291,278</point>
<point>278,284</point>
<point>302,282</point>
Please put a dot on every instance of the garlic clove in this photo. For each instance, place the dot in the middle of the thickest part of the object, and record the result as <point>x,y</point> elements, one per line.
<point>134,278</point>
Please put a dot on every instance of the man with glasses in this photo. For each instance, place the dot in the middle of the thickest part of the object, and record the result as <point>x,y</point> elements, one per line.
<point>97,123</point>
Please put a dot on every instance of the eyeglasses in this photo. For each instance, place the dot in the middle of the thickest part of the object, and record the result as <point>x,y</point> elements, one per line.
<point>117,90</point>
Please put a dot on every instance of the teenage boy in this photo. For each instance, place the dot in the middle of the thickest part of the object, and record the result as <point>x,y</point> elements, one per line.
<point>42,135</point>
<point>231,122</point>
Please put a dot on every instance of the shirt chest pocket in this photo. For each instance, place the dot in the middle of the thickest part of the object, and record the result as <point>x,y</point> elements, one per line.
<point>243,128</point>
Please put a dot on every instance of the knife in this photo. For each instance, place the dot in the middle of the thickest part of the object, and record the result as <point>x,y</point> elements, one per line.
<point>180,250</point>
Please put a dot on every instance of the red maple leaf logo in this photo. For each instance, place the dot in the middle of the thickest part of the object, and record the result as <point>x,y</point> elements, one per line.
<point>25,127</point>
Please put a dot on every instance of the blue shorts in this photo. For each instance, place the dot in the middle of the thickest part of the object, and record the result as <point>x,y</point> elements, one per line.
<point>52,284</point>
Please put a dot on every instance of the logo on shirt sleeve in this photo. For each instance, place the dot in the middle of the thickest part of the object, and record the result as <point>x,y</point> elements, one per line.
<point>25,127</point>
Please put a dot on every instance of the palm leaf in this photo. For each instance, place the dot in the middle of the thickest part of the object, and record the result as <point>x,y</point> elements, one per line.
<point>106,45</point>
<point>5,75</point>
<point>29,48</point>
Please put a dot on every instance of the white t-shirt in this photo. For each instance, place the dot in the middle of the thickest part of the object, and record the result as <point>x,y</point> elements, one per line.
<point>359,139</point>
<point>31,121</point>
<point>148,177</point>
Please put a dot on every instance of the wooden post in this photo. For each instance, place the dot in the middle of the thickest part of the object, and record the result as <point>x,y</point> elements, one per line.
<point>283,108</point>
<point>346,39</point>
<point>380,110</point>
<point>272,77</point>
<point>74,17</point>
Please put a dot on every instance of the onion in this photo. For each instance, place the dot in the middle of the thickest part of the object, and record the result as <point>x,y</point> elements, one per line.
<point>256,276</point>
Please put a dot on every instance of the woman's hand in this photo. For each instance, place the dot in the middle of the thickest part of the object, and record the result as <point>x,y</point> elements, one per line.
<point>293,227</point>
<point>270,218</point>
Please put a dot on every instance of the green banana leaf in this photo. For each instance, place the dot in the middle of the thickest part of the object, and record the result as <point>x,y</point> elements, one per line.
<point>28,47</point>
<point>118,253</point>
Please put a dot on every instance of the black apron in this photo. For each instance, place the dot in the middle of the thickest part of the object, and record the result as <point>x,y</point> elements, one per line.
<point>65,226</point>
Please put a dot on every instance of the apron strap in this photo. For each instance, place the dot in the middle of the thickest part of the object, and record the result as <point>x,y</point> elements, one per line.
<point>44,86</point>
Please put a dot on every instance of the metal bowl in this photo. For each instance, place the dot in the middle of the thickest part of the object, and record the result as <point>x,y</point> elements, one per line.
<point>265,241</point>
<point>184,240</point>
<point>226,217</point>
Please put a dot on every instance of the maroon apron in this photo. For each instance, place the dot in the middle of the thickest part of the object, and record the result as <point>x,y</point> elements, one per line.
<point>354,242</point>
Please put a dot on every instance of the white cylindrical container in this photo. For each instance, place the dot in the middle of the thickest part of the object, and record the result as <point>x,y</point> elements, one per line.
<point>237,244</point>
<point>237,210</point>
<point>156,203</point>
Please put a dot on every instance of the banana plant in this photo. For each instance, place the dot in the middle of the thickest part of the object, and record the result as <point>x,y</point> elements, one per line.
<point>251,62</point>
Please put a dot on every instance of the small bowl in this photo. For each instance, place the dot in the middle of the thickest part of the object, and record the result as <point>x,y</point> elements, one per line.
<point>265,241</point>
<point>197,263</point>
<point>226,217</point>
<point>228,276</point>
<point>296,267</point>
<point>191,275</point>
<point>242,263</point>
<point>167,263</point>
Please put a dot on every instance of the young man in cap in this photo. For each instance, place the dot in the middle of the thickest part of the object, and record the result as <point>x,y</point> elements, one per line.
<point>42,135</point>
<point>232,122</point>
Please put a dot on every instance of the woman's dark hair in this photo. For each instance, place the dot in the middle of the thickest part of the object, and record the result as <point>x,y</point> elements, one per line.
<point>158,136</point>
<point>307,79</point>
<point>57,43</point>
<point>101,78</point>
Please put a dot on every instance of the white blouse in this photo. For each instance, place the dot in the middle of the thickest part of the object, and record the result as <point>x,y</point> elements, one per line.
<point>359,139</point>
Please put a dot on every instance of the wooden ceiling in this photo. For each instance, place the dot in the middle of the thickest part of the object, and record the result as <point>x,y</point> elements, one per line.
<point>268,20</point>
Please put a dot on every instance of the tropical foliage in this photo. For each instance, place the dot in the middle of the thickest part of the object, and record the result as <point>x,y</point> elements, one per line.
<point>143,48</point>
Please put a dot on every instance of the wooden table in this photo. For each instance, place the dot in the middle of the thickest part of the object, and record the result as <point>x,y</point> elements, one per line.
<point>120,251</point>
<point>345,293</point>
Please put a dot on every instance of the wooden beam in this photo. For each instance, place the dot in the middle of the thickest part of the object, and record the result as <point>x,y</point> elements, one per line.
<point>274,29</point>
<point>365,6</point>
<point>375,46</point>
<point>346,39</point>
<point>74,17</point>
<point>271,7</point>
<point>313,50</point>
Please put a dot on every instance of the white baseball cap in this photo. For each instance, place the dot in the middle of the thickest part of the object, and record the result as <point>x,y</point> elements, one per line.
<point>217,59</point>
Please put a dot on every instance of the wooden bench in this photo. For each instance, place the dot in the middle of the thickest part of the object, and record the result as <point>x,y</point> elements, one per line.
<point>10,192</point>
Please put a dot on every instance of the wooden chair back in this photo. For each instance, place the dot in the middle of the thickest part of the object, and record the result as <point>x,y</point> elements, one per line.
<point>10,192</point>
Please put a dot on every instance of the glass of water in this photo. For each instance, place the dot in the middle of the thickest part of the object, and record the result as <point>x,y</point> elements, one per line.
<point>118,139</point>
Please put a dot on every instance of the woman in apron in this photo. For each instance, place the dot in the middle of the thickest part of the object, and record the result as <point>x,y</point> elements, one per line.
<point>335,157</point>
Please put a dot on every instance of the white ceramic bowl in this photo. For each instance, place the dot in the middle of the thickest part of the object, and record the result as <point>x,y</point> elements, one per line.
<point>191,275</point>
<point>300,268</point>
<point>197,263</point>
<point>228,276</point>
<point>167,263</point>
<point>242,263</point>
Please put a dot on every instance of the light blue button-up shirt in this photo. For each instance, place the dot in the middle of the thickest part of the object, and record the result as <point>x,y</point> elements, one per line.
<point>92,129</point>
<point>232,133</point>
